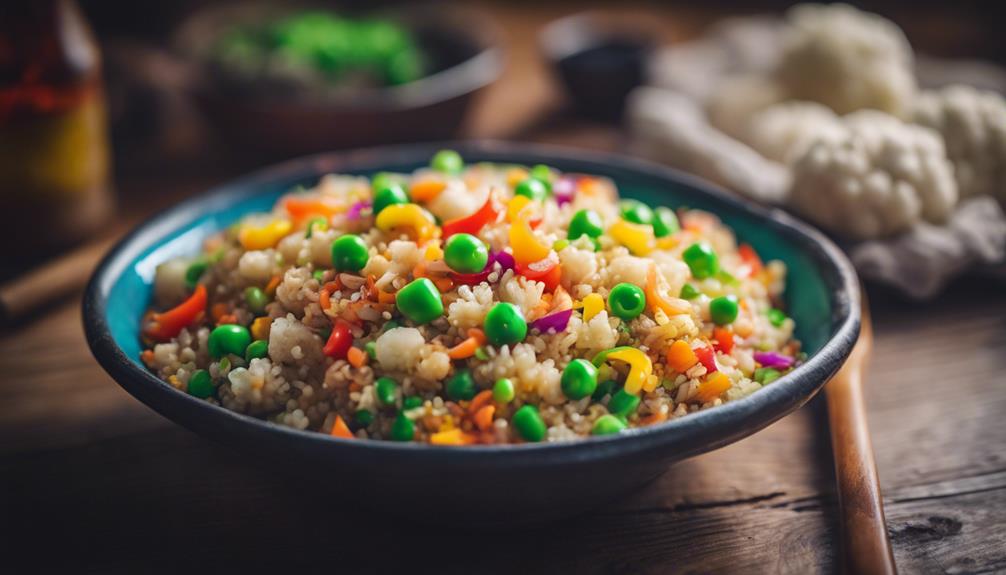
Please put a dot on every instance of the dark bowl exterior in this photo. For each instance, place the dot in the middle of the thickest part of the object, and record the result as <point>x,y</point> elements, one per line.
<point>507,484</point>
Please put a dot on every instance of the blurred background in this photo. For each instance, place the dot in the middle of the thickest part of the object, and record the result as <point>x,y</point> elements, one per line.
<point>110,110</point>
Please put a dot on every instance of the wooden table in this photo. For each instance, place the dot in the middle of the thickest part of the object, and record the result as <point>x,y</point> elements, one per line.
<point>91,478</point>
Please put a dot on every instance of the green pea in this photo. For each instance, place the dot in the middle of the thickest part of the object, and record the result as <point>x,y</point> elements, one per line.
<point>727,278</point>
<point>723,309</point>
<point>420,301</point>
<point>349,253</point>
<point>402,429</point>
<point>447,161</point>
<point>766,375</point>
<point>466,254</point>
<point>229,338</point>
<point>364,417</point>
<point>481,354</point>
<point>529,424</point>
<point>543,174</point>
<point>194,272</point>
<point>688,291</point>
<point>604,388</point>
<point>412,402</point>
<point>384,390</point>
<point>390,324</point>
<point>318,275</point>
<point>257,349</point>
<point>665,222</point>
<point>776,317</point>
<point>585,223</point>
<point>505,325</point>
<point>381,180</point>
<point>503,391</point>
<point>389,195</point>
<point>579,379</point>
<point>560,245</point>
<point>701,260</point>
<point>626,301</point>
<point>636,212</point>
<point>461,385</point>
<point>623,403</point>
<point>256,299</point>
<point>371,348</point>
<point>531,188</point>
<point>200,384</point>
<point>607,425</point>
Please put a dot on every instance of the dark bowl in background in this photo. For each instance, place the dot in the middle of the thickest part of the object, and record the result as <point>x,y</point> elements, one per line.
<point>463,49</point>
<point>600,57</point>
<point>484,485</point>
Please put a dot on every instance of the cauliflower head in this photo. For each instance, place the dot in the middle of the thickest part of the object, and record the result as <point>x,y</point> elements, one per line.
<point>973,125</point>
<point>847,60</point>
<point>878,179</point>
<point>784,131</point>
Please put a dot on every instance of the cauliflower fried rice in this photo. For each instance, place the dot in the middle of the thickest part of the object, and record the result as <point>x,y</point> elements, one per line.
<point>478,304</point>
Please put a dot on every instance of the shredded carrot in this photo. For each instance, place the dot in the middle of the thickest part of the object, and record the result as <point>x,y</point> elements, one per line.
<point>324,296</point>
<point>218,311</point>
<point>656,301</point>
<point>750,257</point>
<point>227,318</point>
<point>357,357</point>
<point>680,356</point>
<point>713,387</point>
<point>653,418</point>
<point>426,190</point>
<point>483,418</point>
<point>477,334</point>
<point>453,436</point>
<point>464,349</point>
<point>147,356</point>
<point>480,400</point>
<point>340,429</point>
<point>270,288</point>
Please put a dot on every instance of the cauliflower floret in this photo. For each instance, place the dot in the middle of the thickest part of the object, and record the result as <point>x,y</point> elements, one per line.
<point>877,180</point>
<point>737,98</point>
<point>399,349</point>
<point>784,131</point>
<point>973,125</point>
<point>457,200</point>
<point>847,60</point>
<point>169,281</point>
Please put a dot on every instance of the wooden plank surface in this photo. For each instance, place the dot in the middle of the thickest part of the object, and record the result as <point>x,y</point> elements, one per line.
<point>92,480</point>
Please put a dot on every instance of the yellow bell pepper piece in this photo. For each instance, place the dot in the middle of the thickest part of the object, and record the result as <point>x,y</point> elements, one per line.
<point>637,237</point>
<point>451,437</point>
<point>261,327</point>
<point>593,304</point>
<point>263,237</point>
<point>409,216</point>
<point>527,248</point>
<point>713,387</point>
<point>640,368</point>
<point>434,251</point>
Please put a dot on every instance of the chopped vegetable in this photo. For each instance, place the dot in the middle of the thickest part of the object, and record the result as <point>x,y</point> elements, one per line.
<point>593,304</point>
<point>257,349</point>
<point>766,375</point>
<point>340,340</point>
<point>349,253</point>
<point>402,429</point>
<point>474,223</point>
<point>263,237</point>
<point>340,429</point>
<point>461,385</point>
<point>356,357</point>
<point>626,301</point>
<point>200,384</point>
<point>505,325</point>
<point>723,309</point>
<point>385,389</point>
<point>701,260</point>
<point>503,391</point>
<point>229,338</point>
<point>465,253</point>
<point>712,387</point>
<point>773,359</point>
<point>407,216</point>
<point>680,356</point>
<point>665,222</point>
<point>387,195</point>
<point>529,424</point>
<point>164,326</point>
<point>688,291</point>
<point>608,425</point>
<point>776,317</point>
<point>637,237</point>
<point>640,367</point>
<point>532,188</point>
<point>707,357</point>
<point>554,322</point>
<point>579,379</point>
<point>656,301</point>
<point>636,212</point>
<point>623,403</point>
<point>447,161</point>
<point>256,299</point>
<point>420,301</point>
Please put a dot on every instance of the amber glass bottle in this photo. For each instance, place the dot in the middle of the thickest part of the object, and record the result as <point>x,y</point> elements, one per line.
<point>54,153</point>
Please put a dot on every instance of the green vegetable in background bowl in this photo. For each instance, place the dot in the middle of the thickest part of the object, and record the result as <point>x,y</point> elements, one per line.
<point>321,46</point>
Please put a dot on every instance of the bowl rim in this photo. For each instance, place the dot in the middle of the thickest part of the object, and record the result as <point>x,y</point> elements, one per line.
<point>698,432</point>
<point>470,75</point>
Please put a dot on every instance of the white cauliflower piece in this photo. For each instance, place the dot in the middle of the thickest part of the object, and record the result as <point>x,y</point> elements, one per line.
<point>847,60</point>
<point>877,180</point>
<point>399,349</point>
<point>973,125</point>
<point>784,131</point>
<point>169,281</point>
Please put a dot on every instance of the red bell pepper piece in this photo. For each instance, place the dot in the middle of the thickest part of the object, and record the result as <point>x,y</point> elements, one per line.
<point>339,341</point>
<point>473,223</point>
<point>164,326</point>
<point>707,357</point>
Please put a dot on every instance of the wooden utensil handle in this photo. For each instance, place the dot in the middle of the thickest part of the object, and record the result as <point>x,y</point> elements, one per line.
<point>864,531</point>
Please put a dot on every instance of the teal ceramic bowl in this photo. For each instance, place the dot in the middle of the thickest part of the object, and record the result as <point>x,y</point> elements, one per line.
<point>508,484</point>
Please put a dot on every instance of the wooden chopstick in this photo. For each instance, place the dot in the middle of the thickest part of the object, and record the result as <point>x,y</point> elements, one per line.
<point>864,530</point>
<point>28,293</point>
